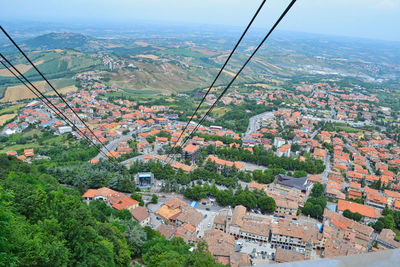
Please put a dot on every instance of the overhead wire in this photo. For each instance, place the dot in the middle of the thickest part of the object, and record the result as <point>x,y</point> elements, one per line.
<point>221,70</point>
<point>241,69</point>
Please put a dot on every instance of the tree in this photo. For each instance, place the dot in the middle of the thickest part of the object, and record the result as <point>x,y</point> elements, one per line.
<point>357,216</point>
<point>317,190</point>
<point>378,226</point>
<point>137,197</point>
<point>266,204</point>
<point>299,174</point>
<point>154,199</point>
<point>348,214</point>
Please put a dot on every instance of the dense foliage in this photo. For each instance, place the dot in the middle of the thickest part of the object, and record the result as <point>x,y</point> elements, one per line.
<point>45,224</point>
<point>249,199</point>
<point>390,220</point>
<point>237,118</point>
<point>354,216</point>
<point>86,175</point>
<point>316,203</point>
<point>266,158</point>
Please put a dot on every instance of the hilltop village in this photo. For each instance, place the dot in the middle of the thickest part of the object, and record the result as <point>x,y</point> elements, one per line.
<point>314,177</point>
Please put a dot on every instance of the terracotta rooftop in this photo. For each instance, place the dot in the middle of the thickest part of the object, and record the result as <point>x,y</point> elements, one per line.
<point>140,213</point>
<point>364,210</point>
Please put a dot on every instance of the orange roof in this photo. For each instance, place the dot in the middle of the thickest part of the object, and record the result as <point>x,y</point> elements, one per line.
<point>124,203</point>
<point>238,164</point>
<point>184,167</point>
<point>354,185</point>
<point>22,157</point>
<point>364,210</point>
<point>90,193</point>
<point>249,149</point>
<point>254,185</point>
<point>353,174</point>
<point>12,153</point>
<point>29,152</point>
<point>319,152</point>
<point>315,178</point>
<point>354,194</point>
<point>191,148</point>
<point>219,143</point>
<point>94,161</point>
<point>377,198</point>
<point>397,204</point>
<point>393,194</point>
<point>339,224</point>
<point>112,154</point>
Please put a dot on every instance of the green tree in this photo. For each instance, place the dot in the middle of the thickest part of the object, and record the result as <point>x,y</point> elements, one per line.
<point>154,199</point>
<point>138,197</point>
<point>317,190</point>
<point>266,204</point>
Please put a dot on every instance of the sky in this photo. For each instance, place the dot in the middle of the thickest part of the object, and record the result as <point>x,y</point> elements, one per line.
<point>375,19</point>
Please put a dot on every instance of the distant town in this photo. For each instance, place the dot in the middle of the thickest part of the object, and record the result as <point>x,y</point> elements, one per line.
<point>315,177</point>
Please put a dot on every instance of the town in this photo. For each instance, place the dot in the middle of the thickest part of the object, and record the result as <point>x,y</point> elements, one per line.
<point>316,176</point>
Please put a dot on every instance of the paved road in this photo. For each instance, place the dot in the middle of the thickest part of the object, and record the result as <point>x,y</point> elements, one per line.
<point>206,223</point>
<point>327,170</point>
<point>371,171</point>
<point>255,122</point>
<point>251,167</point>
<point>314,133</point>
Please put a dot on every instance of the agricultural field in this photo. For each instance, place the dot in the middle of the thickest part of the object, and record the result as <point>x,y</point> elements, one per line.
<point>6,117</point>
<point>23,68</point>
<point>20,92</point>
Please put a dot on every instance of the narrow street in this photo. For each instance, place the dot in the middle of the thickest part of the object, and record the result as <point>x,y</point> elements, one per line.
<point>255,122</point>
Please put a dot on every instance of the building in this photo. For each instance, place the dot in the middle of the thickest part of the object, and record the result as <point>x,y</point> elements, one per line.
<point>141,215</point>
<point>288,182</point>
<point>168,231</point>
<point>64,129</point>
<point>177,212</point>
<point>286,255</point>
<point>295,237</point>
<point>369,213</point>
<point>113,198</point>
<point>278,142</point>
<point>222,247</point>
<point>386,240</point>
<point>283,151</point>
<point>286,207</point>
<point>225,163</point>
<point>144,179</point>
<point>191,152</point>
<point>250,226</point>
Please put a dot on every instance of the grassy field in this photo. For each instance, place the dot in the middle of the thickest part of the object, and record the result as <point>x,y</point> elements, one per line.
<point>23,68</point>
<point>6,117</point>
<point>12,109</point>
<point>219,112</point>
<point>64,90</point>
<point>12,146</point>
<point>19,92</point>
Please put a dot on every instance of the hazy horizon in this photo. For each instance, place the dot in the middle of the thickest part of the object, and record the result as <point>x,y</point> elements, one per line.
<point>371,19</point>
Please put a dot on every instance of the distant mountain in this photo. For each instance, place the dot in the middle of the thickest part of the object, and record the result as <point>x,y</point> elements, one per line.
<point>66,40</point>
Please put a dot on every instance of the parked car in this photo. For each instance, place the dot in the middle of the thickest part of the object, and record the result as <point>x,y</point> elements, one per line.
<point>207,208</point>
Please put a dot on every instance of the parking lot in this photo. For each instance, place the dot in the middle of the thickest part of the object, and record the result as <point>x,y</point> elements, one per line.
<point>207,222</point>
